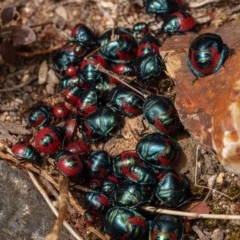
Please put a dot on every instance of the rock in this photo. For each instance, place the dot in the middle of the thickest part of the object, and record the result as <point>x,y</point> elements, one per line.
<point>24,214</point>
<point>209,108</point>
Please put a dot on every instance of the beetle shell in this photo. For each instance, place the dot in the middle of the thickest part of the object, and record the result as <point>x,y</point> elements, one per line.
<point>82,34</point>
<point>109,184</point>
<point>70,126</point>
<point>140,29</point>
<point>72,70</point>
<point>96,202</point>
<point>104,85</point>
<point>40,116</point>
<point>148,45</point>
<point>88,68</point>
<point>60,110</point>
<point>100,124</point>
<point>69,164</point>
<point>122,223</point>
<point>161,114</point>
<point>172,189</point>
<point>148,67</point>
<point>161,6</point>
<point>130,194</point>
<point>178,22</point>
<point>122,163</point>
<point>159,151</point>
<point>207,54</point>
<point>78,147</point>
<point>125,69</point>
<point>126,101</point>
<point>71,81</point>
<point>71,94</point>
<point>49,139</point>
<point>123,49</point>
<point>99,164</point>
<point>87,102</point>
<point>141,175</point>
<point>166,227</point>
<point>70,54</point>
<point>27,152</point>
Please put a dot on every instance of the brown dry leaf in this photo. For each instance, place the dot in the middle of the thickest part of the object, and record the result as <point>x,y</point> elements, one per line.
<point>22,35</point>
<point>8,52</point>
<point>200,207</point>
<point>7,14</point>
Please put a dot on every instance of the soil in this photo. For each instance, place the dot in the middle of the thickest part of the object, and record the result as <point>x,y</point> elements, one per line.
<point>32,80</point>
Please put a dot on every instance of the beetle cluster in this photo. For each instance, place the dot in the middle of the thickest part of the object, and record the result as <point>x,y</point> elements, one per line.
<point>176,19</point>
<point>94,104</point>
<point>207,52</point>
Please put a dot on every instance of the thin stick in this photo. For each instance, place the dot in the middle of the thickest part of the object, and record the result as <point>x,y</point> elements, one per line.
<point>16,87</point>
<point>40,189</point>
<point>190,214</point>
<point>40,52</point>
<point>62,210</point>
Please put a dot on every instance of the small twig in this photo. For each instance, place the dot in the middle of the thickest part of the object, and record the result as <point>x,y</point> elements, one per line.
<point>16,87</point>
<point>40,52</point>
<point>62,210</point>
<point>190,214</point>
<point>201,3</point>
<point>40,189</point>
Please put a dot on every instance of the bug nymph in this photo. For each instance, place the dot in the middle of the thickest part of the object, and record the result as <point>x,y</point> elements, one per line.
<point>207,53</point>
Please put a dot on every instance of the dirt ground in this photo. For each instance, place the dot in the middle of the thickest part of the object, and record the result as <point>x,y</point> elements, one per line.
<point>31,80</point>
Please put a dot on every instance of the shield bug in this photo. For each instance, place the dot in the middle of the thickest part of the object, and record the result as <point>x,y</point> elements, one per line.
<point>207,54</point>
<point>148,67</point>
<point>69,164</point>
<point>123,49</point>
<point>126,101</point>
<point>161,6</point>
<point>99,163</point>
<point>40,116</point>
<point>177,22</point>
<point>96,202</point>
<point>83,35</point>
<point>60,110</point>
<point>123,223</point>
<point>100,123</point>
<point>78,147</point>
<point>148,45</point>
<point>70,54</point>
<point>87,102</point>
<point>166,227</point>
<point>49,139</point>
<point>161,114</point>
<point>27,152</point>
<point>172,188</point>
<point>122,163</point>
<point>129,194</point>
<point>159,151</point>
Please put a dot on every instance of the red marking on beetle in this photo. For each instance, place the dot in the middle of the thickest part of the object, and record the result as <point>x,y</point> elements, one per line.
<point>215,58</point>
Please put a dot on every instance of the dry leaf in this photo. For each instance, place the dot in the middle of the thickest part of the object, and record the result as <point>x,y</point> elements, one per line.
<point>22,35</point>
<point>7,14</point>
<point>196,207</point>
